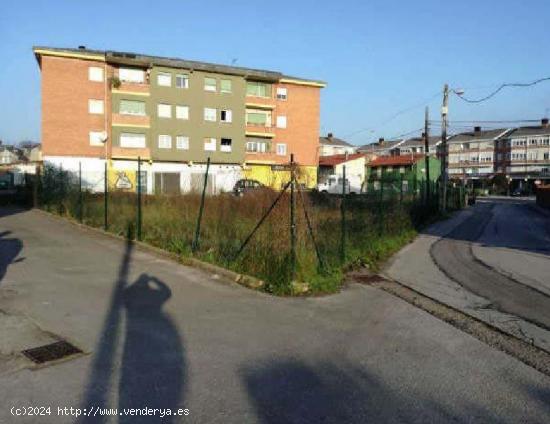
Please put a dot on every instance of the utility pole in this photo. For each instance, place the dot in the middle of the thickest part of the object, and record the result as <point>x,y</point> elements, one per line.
<point>444,112</point>
<point>426,152</point>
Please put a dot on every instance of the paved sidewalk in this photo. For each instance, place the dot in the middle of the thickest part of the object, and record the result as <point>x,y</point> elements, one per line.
<point>162,335</point>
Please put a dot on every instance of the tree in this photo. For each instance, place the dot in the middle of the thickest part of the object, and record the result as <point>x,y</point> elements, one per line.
<point>27,144</point>
<point>499,184</point>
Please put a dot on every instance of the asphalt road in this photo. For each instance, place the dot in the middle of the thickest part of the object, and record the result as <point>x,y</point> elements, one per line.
<point>161,335</point>
<point>513,225</point>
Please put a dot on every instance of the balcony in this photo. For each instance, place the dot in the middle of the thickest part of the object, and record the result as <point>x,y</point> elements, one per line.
<point>130,153</point>
<point>136,121</point>
<point>258,130</point>
<point>134,88</point>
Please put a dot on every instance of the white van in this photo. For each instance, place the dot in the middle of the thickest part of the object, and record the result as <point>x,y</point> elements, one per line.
<point>334,185</point>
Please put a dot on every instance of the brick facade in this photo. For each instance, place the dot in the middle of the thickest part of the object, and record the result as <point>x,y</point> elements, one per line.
<point>66,121</point>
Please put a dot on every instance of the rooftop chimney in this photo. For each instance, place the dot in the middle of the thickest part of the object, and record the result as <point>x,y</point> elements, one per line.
<point>477,129</point>
<point>544,122</point>
<point>381,140</point>
<point>329,135</point>
<point>81,47</point>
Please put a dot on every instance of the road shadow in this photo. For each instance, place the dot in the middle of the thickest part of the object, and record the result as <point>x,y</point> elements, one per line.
<point>500,224</point>
<point>9,250</point>
<point>293,392</point>
<point>153,370</point>
<point>151,366</point>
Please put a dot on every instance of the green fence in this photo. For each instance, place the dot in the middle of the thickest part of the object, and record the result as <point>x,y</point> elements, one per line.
<point>279,237</point>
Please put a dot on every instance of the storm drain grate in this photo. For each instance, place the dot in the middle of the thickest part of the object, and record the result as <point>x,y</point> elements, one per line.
<point>51,352</point>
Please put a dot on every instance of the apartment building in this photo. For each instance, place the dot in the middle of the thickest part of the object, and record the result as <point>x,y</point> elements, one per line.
<point>416,145</point>
<point>382,147</point>
<point>106,107</point>
<point>524,153</point>
<point>471,155</point>
<point>330,146</point>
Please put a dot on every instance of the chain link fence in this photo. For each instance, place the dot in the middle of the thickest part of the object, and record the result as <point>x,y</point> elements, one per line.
<point>281,237</point>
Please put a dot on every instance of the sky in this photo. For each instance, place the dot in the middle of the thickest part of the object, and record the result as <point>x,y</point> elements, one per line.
<point>383,61</point>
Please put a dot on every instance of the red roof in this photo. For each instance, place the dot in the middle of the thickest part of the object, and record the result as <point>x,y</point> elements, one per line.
<point>395,160</point>
<point>338,159</point>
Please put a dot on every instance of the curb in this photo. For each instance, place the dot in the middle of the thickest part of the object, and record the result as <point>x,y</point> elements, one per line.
<point>242,279</point>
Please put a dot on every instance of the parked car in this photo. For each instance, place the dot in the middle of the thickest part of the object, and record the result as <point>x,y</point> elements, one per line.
<point>334,185</point>
<point>518,192</point>
<point>6,181</point>
<point>246,186</point>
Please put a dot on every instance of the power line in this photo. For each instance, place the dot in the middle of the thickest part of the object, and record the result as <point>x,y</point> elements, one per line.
<point>512,121</point>
<point>500,88</point>
<point>395,115</point>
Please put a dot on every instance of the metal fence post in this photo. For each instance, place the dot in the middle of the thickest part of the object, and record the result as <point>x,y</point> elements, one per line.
<point>105,197</point>
<point>37,181</point>
<point>343,217</point>
<point>138,185</point>
<point>414,187</point>
<point>80,205</point>
<point>292,218</point>
<point>195,244</point>
<point>401,189</point>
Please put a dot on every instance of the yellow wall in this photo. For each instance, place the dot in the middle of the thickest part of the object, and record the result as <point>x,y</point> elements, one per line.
<point>122,175</point>
<point>276,179</point>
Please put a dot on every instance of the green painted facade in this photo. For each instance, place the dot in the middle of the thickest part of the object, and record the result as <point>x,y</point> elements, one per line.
<point>414,174</point>
<point>196,98</point>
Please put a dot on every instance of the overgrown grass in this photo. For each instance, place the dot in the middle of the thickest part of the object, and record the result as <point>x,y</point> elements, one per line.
<point>374,230</point>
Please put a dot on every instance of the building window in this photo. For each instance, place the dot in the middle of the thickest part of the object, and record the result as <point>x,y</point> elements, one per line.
<point>164,79</point>
<point>96,138</point>
<point>95,106</point>
<point>132,140</point>
<point>210,144</point>
<point>209,114</point>
<point>259,118</point>
<point>225,86</point>
<point>281,121</point>
<point>546,156</point>
<point>131,75</point>
<point>258,89</point>
<point>281,149</point>
<point>281,93</point>
<point>182,112</point>
<point>95,73</point>
<point>164,110</point>
<point>142,180</point>
<point>225,145</point>
<point>257,146</point>
<point>182,142</point>
<point>182,81</point>
<point>210,84</point>
<point>226,115</point>
<point>131,107</point>
<point>165,141</point>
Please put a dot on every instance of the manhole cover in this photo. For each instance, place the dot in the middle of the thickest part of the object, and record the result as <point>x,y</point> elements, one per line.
<point>51,352</point>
